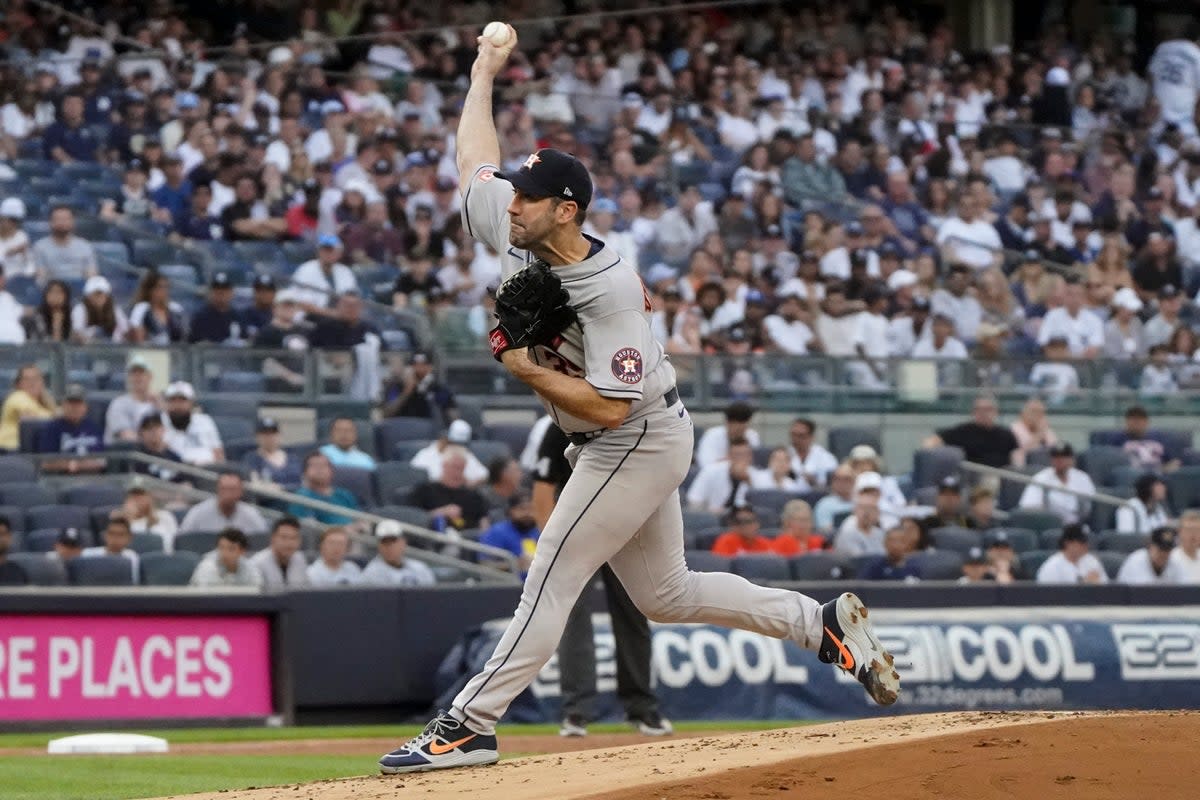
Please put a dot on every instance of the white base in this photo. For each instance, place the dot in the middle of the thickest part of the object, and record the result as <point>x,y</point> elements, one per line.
<point>108,743</point>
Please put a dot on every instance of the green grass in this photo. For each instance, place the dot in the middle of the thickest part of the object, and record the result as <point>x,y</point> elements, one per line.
<point>128,777</point>
<point>398,732</point>
<point>125,777</point>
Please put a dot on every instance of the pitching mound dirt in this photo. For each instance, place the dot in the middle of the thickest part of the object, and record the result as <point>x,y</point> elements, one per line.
<point>1040,756</point>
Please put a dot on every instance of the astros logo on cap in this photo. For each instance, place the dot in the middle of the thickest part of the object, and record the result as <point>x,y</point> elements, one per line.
<point>534,158</point>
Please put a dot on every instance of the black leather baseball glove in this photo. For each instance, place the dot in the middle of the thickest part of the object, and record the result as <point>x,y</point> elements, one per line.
<point>532,308</point>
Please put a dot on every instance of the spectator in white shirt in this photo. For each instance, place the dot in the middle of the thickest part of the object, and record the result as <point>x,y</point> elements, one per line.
<point>1082,329</point>
<point>227,565</point>
<point>190,433</point>
<point>904,331</point>
<point>863,458</point>
<point>1055,377</point>
<point>682,229</point>
<point>789,334</point>
<point>1072,563</point>
<point>861,533</point>
<point>1157,378</point>
<point>282,564</point>
<point>871,339</point>
<point>316,283</point>
<point>16,255</point>
<point>810,461</point>
<point>956,302</point>
<point>1147,509</point>
<point>392,567</point>
<point>1187,553</point>
<point>941,342</point>
<point>1061,474</point>
<point>332,568</point>
<point>118,537</point>
<point>723,485</point>
<point>714,443</point>
<point>778,474</point>
<point>1006,169</point>
<point>1152,564</point>
<point>969,239</point>
<point>126,412</point>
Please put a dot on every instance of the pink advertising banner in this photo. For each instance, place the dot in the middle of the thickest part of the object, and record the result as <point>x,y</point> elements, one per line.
<point>114,667</point>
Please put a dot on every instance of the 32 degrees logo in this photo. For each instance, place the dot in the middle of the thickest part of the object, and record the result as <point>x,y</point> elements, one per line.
<point>1152,652</point>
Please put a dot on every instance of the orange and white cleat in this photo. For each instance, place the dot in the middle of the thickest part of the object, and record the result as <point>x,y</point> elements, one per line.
<point>850,644</point>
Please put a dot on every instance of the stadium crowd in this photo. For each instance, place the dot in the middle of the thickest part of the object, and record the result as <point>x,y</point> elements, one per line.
<point>790,181</point>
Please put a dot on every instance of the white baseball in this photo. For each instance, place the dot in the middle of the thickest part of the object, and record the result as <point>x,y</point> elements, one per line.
<point>496,33</point>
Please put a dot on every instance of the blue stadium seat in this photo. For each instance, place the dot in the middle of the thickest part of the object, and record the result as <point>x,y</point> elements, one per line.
<point>181,276</point>
<point>822,566</point>
<point>196,541</point>
<point>1112,562</point>
<point>487,450</point>
<point>236,382</point>
<point>220,405</point>
<point>705,538</point>
<point>1116,542</point>
<point>258,540</point>
<point>1100,462</point>
<point>699,520</point>
<point>358,482</point>
<point>761,567</point>
<point>42,541</point>
<point>1022,539</point>
<point>27,433</point>
<point>1048,538</point>
<point>404,451</point>
<point>100,571</point>
<point>40,570</point>
<point>264,258</point>
<point>392,430</point>
<point>168,569</point>
<point>1032,560</point>
<point>773,499</point>
<point>26,495</point>
<point>938,565</point>
<point>58,515</point>
<point>704,561</point>
<point>1183,487</point>
<point>234,427</point>
<point>513,434</point>
<point>15,516</point>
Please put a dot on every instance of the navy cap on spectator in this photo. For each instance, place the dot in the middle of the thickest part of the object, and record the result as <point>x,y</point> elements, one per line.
<point>920,303</point>
<point>419,357</point>
<point>810,256</point>
<point>186,101</point>
<point>221,280</point>
<point>854,228</point>
<point>264,282</point>
<point>136,165</point>
<point>311,185</point>
<point>1168,292</point>
<point>1075,532</point>
<point>889,250</point>
<point>332,107</point>
<point>755,298</point>
<point>75,393</point>
<point>975,556</point>
<point>267,425</point>
<point>737,334</point>
<point>950,483</point>
<point>1032,255</point>
<point>1164,538</point>
<point>1061,450</point>
<point>382,166</point>
<point>998,538</point>
<point>70,537</point>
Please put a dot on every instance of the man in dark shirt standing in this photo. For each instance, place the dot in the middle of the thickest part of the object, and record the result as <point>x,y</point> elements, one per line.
<point>577,648</point>
<point>216,321</point>
<point>128,137</point>
<point>68,139</point>
<point>262,307</point>
<point>982,440</point>
<point>72,434</point>
<point>346,328</point>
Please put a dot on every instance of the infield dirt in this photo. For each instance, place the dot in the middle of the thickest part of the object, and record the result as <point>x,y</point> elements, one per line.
<point>965,756</point>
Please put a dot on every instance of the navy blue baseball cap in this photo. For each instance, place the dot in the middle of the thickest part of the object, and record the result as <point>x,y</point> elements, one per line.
<point>552,173</point>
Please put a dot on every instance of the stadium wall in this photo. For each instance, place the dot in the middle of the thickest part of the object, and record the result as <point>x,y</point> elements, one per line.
<point>139,658</point>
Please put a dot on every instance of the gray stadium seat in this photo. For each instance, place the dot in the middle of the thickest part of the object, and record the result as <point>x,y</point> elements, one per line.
<point>1101,461</point>
<point>15,516</point>
<point>143,543</point>
<point>1183,487</point>
<point>514,434</point>
<point>449,574</point>
<point>40,570</point>
<point>1124,543</point>
<point>1023,540</point>
<point>100,571</point>
<point>404,451</point>
<point>58,516</point>
<point>488,450</point>
<point>258,540</point>
<point>774,499</point>
<point>358,482</point>
<point>196,541</point>
<point>393,476</point>
<point>931,464</point>
<point>94,494</point>
<point>1010,490</point>
<point>401,429</point>
<point>405,513</point>
<point>955,539</point>
<point>42,541</point>
<point>699,520</point>
<point>761,567</point>
<point>15,469</point>
<point>168,569</point>
<point>705,538</point>
<point>822,566</point>
<point>27,433</point>
<point>1032,560</point>
<point>1112,562</point>
<point>234,427</point>
<point>231,406</point>
<point>938,565</point>
<point>242,382</point>
<point>704,561</point>
<point>843,438</point>
<point>1049,537</point>
<point>1035,519</point>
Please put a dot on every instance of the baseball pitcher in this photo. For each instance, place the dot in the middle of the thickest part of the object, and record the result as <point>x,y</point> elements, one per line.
<point>573,323</point>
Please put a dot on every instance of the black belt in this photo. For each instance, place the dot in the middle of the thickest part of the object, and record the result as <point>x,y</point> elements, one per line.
<point>670,398</point>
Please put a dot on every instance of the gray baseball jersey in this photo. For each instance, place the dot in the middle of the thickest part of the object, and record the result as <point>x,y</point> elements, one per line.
<point>621,503</point>
<point>611,345</point>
